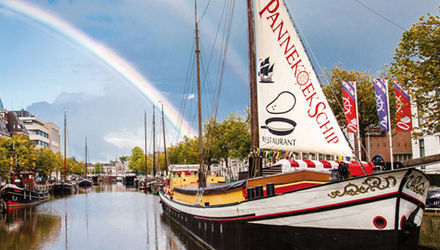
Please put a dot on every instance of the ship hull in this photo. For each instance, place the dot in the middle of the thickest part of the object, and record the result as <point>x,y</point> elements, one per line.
<point>61,188</point>
<point>377,211</point>
<point>17,197</point>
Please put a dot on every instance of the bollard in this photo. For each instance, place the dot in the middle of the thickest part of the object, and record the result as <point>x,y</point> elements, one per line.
<point>270,189</point>
<point>250,193</point>
<point>259,193</point>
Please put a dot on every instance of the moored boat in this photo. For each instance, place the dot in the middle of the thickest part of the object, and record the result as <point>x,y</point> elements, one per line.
<point>63,188</point>
<point>23,191</point>
<point>336,205</point>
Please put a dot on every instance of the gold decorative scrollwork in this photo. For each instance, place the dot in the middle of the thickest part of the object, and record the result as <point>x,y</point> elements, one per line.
<point>416,184</point>
<point>371,184</point>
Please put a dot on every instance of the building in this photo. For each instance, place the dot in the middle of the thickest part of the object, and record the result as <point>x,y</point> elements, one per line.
<point>425,146</point>
<point>378,143</point>
<point>44,134</point>
<point>3,130</point>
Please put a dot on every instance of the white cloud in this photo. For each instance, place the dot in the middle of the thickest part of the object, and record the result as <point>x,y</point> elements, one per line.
<point>124,139</point>
<point>190,96</point>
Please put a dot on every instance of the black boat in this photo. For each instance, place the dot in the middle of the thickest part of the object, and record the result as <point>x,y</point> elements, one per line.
<point>63,188</point>
<point>85,183</point>
<point>22,191</point>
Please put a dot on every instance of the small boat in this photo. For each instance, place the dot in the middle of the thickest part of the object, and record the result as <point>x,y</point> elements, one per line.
<point>64,187</point>
<point>85,182</point>
<point>23,191</point>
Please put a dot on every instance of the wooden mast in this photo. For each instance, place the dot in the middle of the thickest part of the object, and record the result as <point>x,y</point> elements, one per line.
<point>164,141</point>
<point>85,172</point>
<point>145,132</point>
<point>154,142</point>
<point>256,165</point>
<point>65,158</point>
<point>202,180</point>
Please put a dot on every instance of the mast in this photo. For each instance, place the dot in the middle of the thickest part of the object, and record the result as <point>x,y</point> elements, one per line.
<point>154,142</point>
<point>255,168</point>
<point>145,132</point>
<point>65,158</point>
<point>164,141</point>
<point>202,181</point>
<point>85,172</point>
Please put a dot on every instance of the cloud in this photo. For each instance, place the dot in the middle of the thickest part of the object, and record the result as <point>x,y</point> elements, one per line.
<point>190,96</point>
<point>124,139</point>
<point>107,120</point>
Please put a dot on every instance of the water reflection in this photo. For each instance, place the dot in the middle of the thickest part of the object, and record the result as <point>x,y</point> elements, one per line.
<point>23,228</point>
<point>99,217</point>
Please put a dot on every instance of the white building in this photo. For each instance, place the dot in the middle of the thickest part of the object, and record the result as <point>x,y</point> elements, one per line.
<point>425,146</point>
<point>44,134</point>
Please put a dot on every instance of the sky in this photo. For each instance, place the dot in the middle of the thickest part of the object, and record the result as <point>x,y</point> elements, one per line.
<point>106,62</point>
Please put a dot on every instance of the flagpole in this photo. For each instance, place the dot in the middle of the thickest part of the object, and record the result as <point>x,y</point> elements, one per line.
<point>357,120</point>
<point>389,126</point>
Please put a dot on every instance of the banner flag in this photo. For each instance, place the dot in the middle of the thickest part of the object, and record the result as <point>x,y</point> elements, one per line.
<point>350,102</point>
<point>381,91</point>
<point>403,109</point>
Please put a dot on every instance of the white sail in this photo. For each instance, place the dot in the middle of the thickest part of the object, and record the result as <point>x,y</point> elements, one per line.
<point>293,112</point>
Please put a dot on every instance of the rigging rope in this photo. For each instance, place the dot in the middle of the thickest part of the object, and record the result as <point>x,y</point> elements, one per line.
<point>379,15</point>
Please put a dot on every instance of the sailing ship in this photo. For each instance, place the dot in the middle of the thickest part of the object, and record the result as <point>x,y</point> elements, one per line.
<point>23,191</point>
<point>64,187</point>
<point>85,182</point>
<point>302,205</point>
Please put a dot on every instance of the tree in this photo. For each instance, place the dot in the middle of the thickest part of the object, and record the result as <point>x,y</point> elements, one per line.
<point>4,163</point>
<point>416,64</point>
<point>21,153</point>
<point>123,158</point>
<point>365,94</point>
<point>98,168</point>
<point>46,161</point>
<point>228,139</point>
<point>137,160</point>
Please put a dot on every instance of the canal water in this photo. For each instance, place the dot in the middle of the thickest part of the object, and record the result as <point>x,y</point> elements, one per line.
<point>101,217</point>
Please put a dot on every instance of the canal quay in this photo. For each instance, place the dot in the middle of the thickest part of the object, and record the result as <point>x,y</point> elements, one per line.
<point>108,216</point>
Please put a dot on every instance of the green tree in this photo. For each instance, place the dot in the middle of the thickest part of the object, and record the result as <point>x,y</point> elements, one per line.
<point>5,162</point>
<point>228,139</point>
<point>46,161</point>
<point>416,64</point>
<point>123,158</point>
<point>21,152</point>
<point>137,160</point>
<point>98,168</point>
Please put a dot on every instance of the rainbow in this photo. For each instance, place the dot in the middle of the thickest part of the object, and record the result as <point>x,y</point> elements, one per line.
<point>104,54</point>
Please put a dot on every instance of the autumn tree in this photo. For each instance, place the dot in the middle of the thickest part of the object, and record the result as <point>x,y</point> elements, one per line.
<point>416,65</point>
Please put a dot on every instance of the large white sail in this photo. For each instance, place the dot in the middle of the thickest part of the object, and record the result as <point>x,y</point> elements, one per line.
<point>293,112</point>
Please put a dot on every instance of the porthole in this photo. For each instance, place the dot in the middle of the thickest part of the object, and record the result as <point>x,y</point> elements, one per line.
<point>380,222</point>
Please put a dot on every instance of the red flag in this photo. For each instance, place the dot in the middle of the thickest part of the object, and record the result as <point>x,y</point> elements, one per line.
<point>350,110</point>
<point>403,109</point>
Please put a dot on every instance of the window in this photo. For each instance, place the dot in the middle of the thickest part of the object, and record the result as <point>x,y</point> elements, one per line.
<point>422,147</point>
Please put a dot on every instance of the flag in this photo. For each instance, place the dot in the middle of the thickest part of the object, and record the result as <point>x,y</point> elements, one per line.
<point>381,91</point>
<point>350,110</point>
<point>403,109</point>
